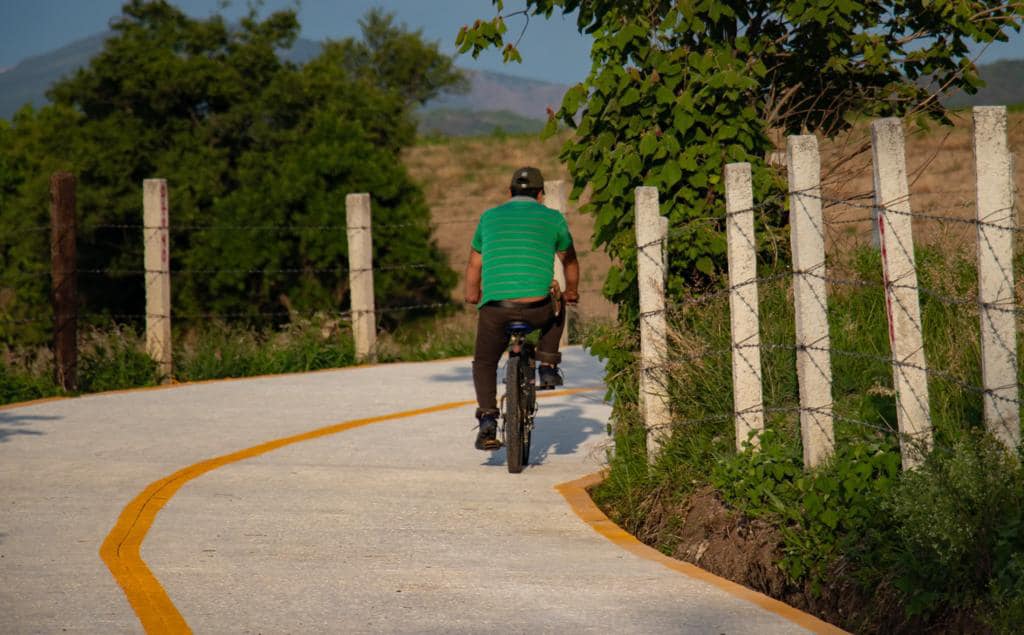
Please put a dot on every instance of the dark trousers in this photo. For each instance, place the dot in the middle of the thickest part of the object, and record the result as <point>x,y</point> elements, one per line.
<point>492,340</point>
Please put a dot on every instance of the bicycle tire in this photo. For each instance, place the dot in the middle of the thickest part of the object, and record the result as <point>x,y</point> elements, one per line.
<point>515,420</point>
<point>526,384</point>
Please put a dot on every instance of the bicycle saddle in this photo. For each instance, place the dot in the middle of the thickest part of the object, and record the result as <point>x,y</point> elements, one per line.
<point>518,328</point>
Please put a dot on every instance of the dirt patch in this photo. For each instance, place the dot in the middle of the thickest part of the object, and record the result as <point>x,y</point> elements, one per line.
<point>703,530</point>
<point>730,545</point>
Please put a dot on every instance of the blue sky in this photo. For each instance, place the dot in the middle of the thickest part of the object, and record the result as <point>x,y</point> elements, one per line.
<point>552,49</point>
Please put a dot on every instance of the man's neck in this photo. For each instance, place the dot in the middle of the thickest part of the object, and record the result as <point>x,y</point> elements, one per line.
<point>522,199</point>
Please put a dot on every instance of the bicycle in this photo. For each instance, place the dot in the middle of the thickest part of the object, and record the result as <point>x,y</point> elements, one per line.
<point>519,403</point>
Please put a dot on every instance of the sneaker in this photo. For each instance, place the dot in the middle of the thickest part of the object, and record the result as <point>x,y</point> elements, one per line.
<point>549,377</point>
<point>486,437</point>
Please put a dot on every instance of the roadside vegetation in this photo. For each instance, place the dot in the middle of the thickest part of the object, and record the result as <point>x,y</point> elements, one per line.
<point>114,357</point>
<point>858,542</point>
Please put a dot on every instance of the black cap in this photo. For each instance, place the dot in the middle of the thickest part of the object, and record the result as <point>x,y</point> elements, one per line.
<point>527,178</point>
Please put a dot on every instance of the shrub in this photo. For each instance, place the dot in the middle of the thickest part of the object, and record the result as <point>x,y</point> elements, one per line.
<point>114,359</point>
<point>823,512</point>
<point>959,537</point>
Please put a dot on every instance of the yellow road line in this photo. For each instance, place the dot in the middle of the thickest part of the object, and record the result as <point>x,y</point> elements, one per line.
<point>575,493</point>
<point>120,550</point>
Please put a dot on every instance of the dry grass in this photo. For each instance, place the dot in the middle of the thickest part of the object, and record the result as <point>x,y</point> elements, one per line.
<point>940,168</point>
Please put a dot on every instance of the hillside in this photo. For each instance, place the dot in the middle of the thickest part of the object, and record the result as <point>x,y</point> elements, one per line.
<point>494,100</point>
<point>469,123</point>
<point>1004,85</point>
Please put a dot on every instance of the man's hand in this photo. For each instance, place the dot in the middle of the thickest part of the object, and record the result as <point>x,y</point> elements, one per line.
<point>472,297</point>
<point>572,275</point>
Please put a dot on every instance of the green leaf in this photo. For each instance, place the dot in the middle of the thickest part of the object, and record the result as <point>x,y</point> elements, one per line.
<point>670,174</point>
<point>705,266</point>
<point>648,144</point>
<point>830,518</point>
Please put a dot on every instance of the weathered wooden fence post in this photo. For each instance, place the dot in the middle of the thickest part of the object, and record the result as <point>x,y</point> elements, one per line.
<point>810,298</point>
<point>157,259</point>
<point>903,309</point>
<point>360,274</point>
<point>653,323</point>
<point>747,397</point>
<point>996,224</point>
<point>556,196</point>
<point>64,293</point>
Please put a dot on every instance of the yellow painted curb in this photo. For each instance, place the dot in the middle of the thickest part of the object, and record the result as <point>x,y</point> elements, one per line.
<point>120,550</point>
<point>575,493</point>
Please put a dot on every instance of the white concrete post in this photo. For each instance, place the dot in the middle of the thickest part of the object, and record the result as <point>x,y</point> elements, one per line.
<point>813,354</point>
<point>747,398</point>
<point>993,167</point>
<point>360,274</point>
<point>653,322</point>
<point>556,196</point>
<point>157,261</point>
<point>903,309</point>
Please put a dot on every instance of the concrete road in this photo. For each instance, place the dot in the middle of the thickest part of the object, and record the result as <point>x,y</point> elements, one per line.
<point>395,527</point>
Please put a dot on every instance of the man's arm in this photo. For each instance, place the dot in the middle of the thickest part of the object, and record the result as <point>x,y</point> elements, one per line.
<point>473,275</point>
<point>571,266</point>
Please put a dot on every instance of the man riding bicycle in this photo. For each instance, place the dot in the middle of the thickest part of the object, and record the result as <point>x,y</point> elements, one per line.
<point>509,277</point>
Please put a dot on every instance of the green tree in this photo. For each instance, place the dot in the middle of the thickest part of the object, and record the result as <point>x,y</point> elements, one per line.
<point>259,154</point>
<point>679,88</point>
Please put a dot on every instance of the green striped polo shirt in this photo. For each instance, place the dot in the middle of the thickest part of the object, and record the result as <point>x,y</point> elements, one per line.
<point>518,242</point>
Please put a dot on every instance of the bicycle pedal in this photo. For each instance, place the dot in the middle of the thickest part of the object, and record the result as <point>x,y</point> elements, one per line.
<point>493,444</point>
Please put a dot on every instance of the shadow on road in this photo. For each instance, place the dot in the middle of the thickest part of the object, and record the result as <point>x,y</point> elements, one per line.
<point>559,429</point>
<point>11,424</point>
<point>458,374</point>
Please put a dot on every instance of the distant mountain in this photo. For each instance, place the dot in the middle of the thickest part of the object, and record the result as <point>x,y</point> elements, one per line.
<point>489,91</point>
<point>470,123</point>
<point>1004,86</point>
<point>28,81</point>
<point>520,99</point>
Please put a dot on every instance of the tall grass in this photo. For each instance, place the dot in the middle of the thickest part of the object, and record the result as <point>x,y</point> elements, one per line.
<point>114,357</point>
<point>859,509</point>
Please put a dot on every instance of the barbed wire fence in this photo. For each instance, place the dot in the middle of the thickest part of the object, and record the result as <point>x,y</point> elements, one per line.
<point>157,274</point>
<point>673,355</point>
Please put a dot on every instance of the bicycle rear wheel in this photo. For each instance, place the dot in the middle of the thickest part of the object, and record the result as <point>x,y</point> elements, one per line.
<point>515,415</point>
<point>528,399</point>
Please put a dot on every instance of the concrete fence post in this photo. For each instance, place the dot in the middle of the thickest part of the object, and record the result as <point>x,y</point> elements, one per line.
<point>360,274</point>
<point>556,196</point>
<point>155,212</point>
<point>653,323</point>
<point>747,397</point>
<point>996,224</point>
<point>664,247</point>
<point>810,298</point>
<point>64,287</point>
<point>903,308</point>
